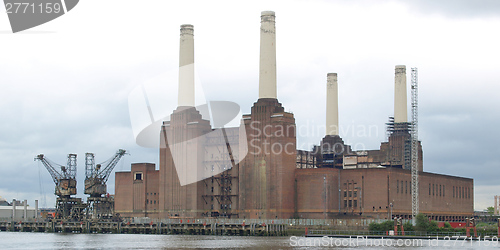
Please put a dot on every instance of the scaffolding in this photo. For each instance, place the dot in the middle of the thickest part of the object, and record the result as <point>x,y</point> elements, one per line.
<point>414,145</point>
<point>401,154</point>
<point>220,188</point>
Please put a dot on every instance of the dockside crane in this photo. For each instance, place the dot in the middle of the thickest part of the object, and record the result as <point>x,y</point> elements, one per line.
<point>67,207</point>
<point>99,204</point>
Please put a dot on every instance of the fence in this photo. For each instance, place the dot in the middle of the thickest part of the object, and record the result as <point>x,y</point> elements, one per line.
<point>407,233</point>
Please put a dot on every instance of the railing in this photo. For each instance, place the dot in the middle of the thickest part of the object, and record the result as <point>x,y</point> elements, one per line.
<point>291,222</point>
<point>406,233</point>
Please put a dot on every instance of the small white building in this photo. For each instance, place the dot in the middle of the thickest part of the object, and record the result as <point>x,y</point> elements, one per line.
<point>21,213</point>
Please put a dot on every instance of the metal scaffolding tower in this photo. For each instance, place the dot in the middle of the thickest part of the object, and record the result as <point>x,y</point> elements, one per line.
<point>414,145</point>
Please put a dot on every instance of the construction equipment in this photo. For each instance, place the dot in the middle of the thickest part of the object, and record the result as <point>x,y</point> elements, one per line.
<point>67,207</point>
<point>100,205</point>
<point>414,146</point>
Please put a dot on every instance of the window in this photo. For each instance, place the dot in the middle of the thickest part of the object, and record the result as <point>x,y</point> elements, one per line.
<point>443,191</point>
<point>453,191</point>
<point>138,176</point>
<point>432,189</point>
<point>345,193</point>
<point>355,203</point>
<point>355,194</point>
<point>440,190</point>
<point>350,193</point>
<point>406,187</point>
<point>350,203</point>
<point>345,203</point>
<point>469,193</point>
<point>397,186</point>
<point>429,189</point>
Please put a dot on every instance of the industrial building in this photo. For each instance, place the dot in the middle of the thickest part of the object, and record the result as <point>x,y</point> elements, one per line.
<point>17,210</point>
<point>255,171</point>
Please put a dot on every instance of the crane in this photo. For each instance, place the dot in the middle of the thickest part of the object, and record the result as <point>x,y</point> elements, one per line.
<point>99,204</point>
<point>67,207</point>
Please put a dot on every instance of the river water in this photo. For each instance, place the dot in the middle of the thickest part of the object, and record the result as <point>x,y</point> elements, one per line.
<point>18,240</point>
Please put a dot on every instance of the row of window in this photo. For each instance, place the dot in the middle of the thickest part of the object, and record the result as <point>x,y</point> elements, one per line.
<point>404,187</point>
<point>150,193</point>
<point>461,192</point>
<point>351,193</point>
<point>437,190</point>
<point>150,201</point>
<point>351,203</point>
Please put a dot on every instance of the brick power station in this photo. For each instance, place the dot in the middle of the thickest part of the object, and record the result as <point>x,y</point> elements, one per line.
<point>255,171</point>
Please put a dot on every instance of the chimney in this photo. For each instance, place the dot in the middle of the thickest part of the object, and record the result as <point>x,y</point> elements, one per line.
<point>267,73</point>
<point>25,203</point>
<point>36,209</point>
<point>186,67</point>
<point>400,110</point>
<point>14,209</point>
<point>332,105</point>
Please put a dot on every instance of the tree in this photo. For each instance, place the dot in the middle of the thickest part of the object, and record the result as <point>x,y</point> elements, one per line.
<point>490,210</point>
<point>422,223</point>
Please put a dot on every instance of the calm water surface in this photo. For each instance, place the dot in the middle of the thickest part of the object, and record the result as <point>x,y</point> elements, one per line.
<point>17,240</point>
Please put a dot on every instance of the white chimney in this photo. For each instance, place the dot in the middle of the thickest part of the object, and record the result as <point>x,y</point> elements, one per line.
<point>267,73</point>
<point>332,105</point>
<point>400,110</point>
<point>186,66</point>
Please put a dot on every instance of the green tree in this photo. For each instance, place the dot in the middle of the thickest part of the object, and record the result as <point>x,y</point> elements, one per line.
<point>490,210</point>
<point>408,226</point>
<point>384,226</point>
<point>422,223</point>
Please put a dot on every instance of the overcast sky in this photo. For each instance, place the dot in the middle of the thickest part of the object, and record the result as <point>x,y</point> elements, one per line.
<point>66,84</point>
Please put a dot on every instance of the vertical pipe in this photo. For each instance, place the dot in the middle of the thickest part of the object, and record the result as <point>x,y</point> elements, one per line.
<point>186,66</point>
<point>13,209</point>
<point>340,190</point>
<point>25,216</point>
<point>400,109</point>
<point>267,72</point>
<point>332,105</point>
<point>36,209</point>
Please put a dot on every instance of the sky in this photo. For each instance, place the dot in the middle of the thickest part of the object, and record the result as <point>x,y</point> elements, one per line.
<point>67,86</point>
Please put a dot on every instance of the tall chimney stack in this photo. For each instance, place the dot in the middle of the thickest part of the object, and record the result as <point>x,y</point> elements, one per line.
<point>267,73</point>
<point>400,110</point>
<point>332,105</point>
<point>186,67</point>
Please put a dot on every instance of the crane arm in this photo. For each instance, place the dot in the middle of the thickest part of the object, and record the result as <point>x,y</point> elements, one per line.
<point>106,171</point>
<point>56,176</point>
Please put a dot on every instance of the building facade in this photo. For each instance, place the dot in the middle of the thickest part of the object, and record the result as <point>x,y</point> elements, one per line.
<point>255,171</point>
